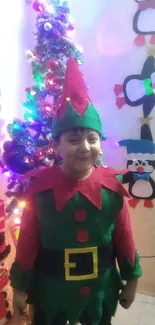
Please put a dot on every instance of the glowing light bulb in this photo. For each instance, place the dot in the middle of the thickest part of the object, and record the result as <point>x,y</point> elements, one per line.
<point>80,48</point>
<point>16,211</point>
<point>51,82</point>
<point>50,9</point>
<point>16,221</point>
<point>29,111</point>
<point>30,119</point>
<point>71,33</point>
<point>48,109</point>
<point>26,160</point>
<point>7,174</point>
<point>33,93</point>
<point>22,204</point>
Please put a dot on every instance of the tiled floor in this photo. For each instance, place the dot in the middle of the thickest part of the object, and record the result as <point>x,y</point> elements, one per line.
<point>142,312</point>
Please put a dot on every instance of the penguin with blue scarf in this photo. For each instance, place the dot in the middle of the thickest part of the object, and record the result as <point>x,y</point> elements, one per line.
<point>140,165</point>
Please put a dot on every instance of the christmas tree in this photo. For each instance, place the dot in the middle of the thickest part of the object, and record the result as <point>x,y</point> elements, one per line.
<point>30,146</point>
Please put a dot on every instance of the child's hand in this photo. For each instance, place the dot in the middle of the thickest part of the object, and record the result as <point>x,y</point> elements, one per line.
<point>128,293</point>
<point>19,302</point>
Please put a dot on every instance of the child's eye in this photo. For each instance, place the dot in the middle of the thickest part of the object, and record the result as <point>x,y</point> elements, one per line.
<point>73,141</point>
<point>92,140</point>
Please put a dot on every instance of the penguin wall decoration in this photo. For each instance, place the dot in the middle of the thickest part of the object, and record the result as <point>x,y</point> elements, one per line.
<point>144,22</point>
<point>140,165</point>
<point>138,89</point>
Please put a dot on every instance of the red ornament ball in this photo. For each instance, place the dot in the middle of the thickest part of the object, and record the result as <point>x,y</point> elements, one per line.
<point>51,64</point>
<point>27,90</point>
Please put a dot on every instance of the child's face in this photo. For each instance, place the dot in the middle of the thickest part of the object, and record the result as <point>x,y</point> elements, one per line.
<point>79,149</point>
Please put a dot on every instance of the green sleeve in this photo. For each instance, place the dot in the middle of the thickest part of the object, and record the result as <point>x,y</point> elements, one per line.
<point>131,272</point>
<point>23,281</point>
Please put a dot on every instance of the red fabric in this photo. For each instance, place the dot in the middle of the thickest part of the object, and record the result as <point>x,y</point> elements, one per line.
<point>2,247</point>
<point>146,4</point>
<point>2,212</point>
<point>65,187</point>
<point>80,215</point>
<point>29,239</point>
<point>75,89</point>
<point>4,278</point>
<point>2,224</point>
<point>123,237</point>
<point>2,307</point>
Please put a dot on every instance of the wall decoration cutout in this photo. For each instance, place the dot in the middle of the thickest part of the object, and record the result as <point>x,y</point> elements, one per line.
<point>138,89</point>
<point>144,22</point>
<point>140,165</point>
<point>4,273</point>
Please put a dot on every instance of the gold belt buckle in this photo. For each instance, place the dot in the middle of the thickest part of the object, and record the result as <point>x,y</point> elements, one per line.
<point>68,265</point>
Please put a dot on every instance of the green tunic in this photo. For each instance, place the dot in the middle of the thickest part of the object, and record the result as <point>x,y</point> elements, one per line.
<point>85,227</point>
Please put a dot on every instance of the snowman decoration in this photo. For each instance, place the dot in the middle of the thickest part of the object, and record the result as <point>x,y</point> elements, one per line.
<point>138,89</point>
<point>140,165</point>
<point>144,22</point>
<point>4,274</point>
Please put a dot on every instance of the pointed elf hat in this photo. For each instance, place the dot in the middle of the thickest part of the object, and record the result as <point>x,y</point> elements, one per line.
<point>75,109</point>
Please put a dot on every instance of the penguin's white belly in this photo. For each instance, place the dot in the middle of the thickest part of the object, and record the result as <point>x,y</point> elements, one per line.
<point>142,189</point>
<point>135,89</point>
<point>146,21</point>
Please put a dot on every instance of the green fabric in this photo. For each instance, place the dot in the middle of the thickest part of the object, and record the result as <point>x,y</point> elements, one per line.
<point>129,271</point>
<point>52,229</point>
<point>120,177</point>
<point>59,232</point>
<point>71,119</point>
<point>23,281</point>
<point>148,86</point>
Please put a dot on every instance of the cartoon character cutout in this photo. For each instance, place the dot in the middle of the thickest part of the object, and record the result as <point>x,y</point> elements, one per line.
<point>140,165</point>
<point>144,22</point>
<point>4,274</point>
<point>138,89</point>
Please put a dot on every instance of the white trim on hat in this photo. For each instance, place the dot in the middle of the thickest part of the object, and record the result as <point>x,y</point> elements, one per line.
<point>141,156</point>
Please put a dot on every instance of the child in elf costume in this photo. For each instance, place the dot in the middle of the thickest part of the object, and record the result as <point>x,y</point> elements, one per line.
<point>75,225</point>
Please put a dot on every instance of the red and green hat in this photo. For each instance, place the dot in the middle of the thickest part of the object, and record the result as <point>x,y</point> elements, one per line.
<point>75,109</point>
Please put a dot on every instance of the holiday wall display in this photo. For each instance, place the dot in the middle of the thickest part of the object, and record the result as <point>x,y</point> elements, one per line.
<point>138,89</point>
<point>144,22</point>
<point>140,165</point>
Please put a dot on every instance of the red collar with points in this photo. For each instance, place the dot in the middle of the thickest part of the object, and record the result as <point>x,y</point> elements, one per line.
<point>65,188</point>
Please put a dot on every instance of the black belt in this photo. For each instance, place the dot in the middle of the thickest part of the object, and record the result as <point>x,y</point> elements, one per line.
<point>75,264</point>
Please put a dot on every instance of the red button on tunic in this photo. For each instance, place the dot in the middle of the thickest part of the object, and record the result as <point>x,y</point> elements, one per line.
<point>82,236</point>
<point>80,215</point>
<point>85,291</point>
